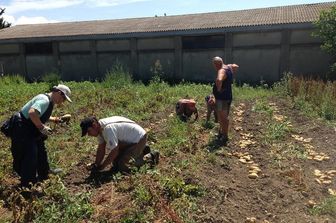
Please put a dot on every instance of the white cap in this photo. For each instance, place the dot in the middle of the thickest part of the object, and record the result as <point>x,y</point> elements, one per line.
<point>66,91</point>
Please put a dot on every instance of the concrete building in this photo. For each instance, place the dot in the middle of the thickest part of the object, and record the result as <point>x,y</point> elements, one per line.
<point>265,43</point>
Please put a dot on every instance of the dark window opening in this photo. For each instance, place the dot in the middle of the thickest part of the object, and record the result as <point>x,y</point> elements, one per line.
<point>38,48</point>
<point>203,42</point>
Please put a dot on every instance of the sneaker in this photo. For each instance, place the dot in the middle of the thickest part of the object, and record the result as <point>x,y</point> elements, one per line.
<point>155,157</point>
<point>56,171</point>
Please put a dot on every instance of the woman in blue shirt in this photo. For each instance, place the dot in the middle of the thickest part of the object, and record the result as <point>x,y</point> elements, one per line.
<point>29,132</point>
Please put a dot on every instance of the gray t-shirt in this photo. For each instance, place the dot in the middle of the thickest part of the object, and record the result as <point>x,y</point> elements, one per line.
<point>117,128</point>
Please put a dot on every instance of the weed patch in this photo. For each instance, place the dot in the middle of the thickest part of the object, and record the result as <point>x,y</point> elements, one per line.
<point>328,206</point>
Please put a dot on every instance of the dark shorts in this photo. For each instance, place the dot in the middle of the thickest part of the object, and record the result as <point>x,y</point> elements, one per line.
<point>223,105</point>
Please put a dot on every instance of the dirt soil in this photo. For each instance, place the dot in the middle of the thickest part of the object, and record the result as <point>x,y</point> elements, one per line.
<point>283,190</point>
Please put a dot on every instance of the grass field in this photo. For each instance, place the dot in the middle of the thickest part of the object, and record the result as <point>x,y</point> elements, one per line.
<point>286,133</point>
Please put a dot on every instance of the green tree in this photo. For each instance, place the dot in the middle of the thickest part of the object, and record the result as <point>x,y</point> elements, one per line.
<point>3,23</point>
<point>326,30</point>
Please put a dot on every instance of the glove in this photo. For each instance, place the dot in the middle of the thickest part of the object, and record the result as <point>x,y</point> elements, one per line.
<point>94,168</point>
<point>65,118</point>
<point>212,101</point>
<point>46,130</point>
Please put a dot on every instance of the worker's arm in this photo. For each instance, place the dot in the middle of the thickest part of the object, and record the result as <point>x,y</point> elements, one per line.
<point>110,157</point>
<point>100,154</point>
<point>34,116</point>
<point>221,76</point>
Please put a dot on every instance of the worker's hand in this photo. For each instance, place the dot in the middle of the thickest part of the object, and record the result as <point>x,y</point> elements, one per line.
<point>212,101</point>
<point>45,130</point>
<point>65,118</point>
<point>93,167</point>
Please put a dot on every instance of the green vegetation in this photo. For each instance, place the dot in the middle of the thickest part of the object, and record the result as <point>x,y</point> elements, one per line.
<point>152,192</point>
<point>313,97</point>
<point>3,23</point>
<point>328,206</point>
<point>52,78</point>
<point>326,30</point>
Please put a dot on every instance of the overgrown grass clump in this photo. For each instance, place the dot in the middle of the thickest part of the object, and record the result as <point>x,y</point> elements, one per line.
<point>49,202</point>
<point>314,97</point>
<point>328,206</point>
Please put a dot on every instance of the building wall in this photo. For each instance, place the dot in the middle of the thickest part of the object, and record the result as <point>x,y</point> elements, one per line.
<point>10,64</point>
<point>77,67</point>
<point>258,55</point>
<point>9,49</point>
<point>197,64</point>
<point>256,65</point>
<point>39,65</point>
<point>10,59</point>
<point>262,56</point>
<point>155,56</point>
<point>306,56</point>
<point>308,61</point>
<point>156,62</point>
<point>109,61</point>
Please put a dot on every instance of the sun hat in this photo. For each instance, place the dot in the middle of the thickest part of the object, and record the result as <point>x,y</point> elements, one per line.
<point>65,89</point>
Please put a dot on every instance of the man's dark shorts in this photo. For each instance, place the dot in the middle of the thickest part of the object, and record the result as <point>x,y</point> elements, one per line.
<point>223,105</point>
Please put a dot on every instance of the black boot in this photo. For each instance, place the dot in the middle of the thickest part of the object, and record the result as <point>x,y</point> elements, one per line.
<point>146,150</point>
<point>224,140</point>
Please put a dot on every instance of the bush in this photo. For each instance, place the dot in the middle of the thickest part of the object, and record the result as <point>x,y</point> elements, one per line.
<point>326,30</point>
<point>312,96</point>
<point>12,79</point>
<point>118,77</point>
<point>52,79</point>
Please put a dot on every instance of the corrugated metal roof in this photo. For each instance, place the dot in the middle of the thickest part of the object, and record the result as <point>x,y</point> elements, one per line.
<point>243,18</point>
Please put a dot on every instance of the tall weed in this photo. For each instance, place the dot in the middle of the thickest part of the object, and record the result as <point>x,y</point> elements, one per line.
<point>52,79</point>
<point>328,206</point>
<point>312,96</point>
<point>118,77</point>
<point>12,79</point>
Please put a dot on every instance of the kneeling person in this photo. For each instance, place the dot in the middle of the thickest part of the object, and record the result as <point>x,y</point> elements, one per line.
<point>122,137</point>
<point>211,107</point>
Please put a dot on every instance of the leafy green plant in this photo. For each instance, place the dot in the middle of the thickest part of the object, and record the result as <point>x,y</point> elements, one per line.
<point>12,79</point>
<point>328,206</point>
<point>58,205</point>
<point>142,195</point>
<point>136,216</point>
<point>52,79</point>
<point>326,30</point>
<point>307,96</point>
<point>157,72</point>
<point>282,87</point>
<point>296,151</point>
<point>263,106</point>
<point>175,188</point>
<point>276,131</point>
<point>118,77</point>
<point>176,137</point>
